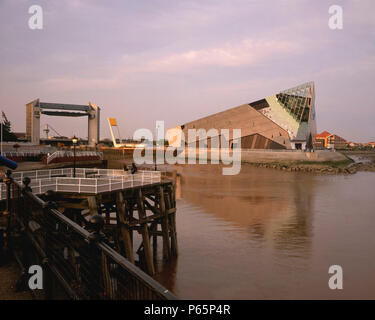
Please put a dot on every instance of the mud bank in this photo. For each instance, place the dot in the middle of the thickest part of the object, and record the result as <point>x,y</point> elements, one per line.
<point>347,166</point>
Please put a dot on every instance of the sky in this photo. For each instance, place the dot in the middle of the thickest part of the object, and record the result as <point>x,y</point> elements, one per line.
<point>177,61</point>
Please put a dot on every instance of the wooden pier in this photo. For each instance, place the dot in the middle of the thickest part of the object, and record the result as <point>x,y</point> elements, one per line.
<point>147,210</point>
<point>126,216</point>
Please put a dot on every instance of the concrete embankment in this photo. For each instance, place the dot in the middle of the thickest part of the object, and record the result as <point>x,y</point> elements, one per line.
<point>259,156</point>
<point>319,161</point>
<point>291,155</point>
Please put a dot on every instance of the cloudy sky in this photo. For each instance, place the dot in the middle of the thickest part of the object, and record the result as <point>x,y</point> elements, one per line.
<point>176,61</point>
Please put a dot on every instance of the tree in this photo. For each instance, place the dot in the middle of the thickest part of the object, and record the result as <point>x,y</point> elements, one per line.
<point>309,145</point>
<point>8,135</point>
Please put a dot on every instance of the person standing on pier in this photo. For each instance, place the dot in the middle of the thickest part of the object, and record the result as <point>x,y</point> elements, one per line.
<point>134,168</point>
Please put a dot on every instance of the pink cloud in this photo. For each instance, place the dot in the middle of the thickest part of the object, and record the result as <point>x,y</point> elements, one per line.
<point>244,53</point>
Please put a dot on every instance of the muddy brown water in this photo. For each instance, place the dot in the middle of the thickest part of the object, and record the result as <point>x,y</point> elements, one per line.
<point>269,234</point>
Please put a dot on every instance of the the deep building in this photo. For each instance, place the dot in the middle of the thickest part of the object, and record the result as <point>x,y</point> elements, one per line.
<point>285,120</point>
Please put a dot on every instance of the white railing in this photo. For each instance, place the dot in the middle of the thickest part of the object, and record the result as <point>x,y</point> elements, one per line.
<point>21,154</point>
<point>63,154</point>
<point>88,181</point>
<point>42,174</point>
<point>67,172</point>
<point>26,150</point>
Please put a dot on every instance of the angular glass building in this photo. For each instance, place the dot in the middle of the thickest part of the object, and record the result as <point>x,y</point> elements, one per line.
<point>285,120</point>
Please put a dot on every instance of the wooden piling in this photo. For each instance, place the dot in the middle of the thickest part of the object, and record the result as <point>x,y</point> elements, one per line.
<point>124,226</point>
<point>106,278</point>
<point>145,234</point>
<point>148,211</point>
<point>172,220</point>
<point>154,228</point>
<point>93,207</point>
<point>164,225</point>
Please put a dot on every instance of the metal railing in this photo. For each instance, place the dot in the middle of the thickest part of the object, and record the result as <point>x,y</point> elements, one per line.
<point>23,156</point>
<point>22,153</point>
<point>9,147</point>
<point>70,154</point>
<point>90,181</point>
<point>79,261</point>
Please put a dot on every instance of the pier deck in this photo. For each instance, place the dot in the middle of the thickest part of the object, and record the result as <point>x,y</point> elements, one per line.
<point>60,217</point>
<point>86,180</point>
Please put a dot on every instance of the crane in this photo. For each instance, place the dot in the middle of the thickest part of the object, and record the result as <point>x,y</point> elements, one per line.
<point>47,130</point>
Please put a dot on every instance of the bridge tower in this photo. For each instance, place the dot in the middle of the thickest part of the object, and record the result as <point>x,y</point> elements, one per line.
<point>36,108</point>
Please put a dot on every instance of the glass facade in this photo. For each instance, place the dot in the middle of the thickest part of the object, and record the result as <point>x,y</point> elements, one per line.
<point>299,101</point>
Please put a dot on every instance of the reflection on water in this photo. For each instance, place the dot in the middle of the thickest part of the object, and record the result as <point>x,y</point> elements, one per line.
<point>275,210</point>
<point>272,234</point>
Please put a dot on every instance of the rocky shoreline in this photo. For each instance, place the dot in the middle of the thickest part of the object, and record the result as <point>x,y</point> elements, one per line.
<point>347,167</point>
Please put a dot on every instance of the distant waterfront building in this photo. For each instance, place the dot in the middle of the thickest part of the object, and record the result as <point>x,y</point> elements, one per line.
<point>352,144</point>
<point>285,120</point>
<point>21,136</point>
<point>337,142</point>
<point>329,141</point>
<point>321,140</point>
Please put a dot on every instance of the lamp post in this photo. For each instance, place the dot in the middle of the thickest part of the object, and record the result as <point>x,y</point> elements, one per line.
<point>156,144</point>
<point>74,140</point>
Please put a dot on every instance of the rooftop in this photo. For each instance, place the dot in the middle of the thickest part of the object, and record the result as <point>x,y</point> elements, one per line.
<point>324,134</point>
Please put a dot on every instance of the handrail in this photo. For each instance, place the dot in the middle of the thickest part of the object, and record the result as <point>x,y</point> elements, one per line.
<point>63,180</point>
<point>58,214</point>
<point>155,289</point>
<point>136,272</point>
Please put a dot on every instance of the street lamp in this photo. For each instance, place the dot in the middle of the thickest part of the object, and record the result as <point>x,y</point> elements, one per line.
<point>74,140</point>
<point>156,143</point>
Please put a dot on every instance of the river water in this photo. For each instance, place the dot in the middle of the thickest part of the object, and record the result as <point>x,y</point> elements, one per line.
<point>269,234</point>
